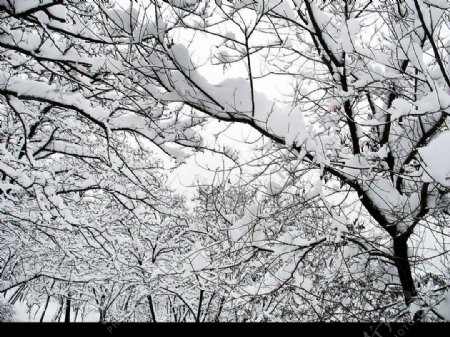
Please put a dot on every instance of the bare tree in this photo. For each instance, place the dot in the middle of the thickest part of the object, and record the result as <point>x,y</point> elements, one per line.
<point>368,108</point>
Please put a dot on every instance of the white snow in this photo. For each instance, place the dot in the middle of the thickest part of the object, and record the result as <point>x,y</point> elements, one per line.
<point>436,159</point>
<point>444,307</point>
<point>399,108</point>
<point>21,6</point>
<point>122,20</point>
<point>348,35</point>
<point>297,132</point>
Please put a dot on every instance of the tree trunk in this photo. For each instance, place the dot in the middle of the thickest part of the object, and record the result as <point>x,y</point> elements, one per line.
<point>67,316</point>
<point>404,269</point>
<point>77,309</point>
<point>102,316</point>
<point>45,309</point>
<point>57,317</point>
<point>152,309</point>
<point>222,301</point>
<point>102,309</point>
<point>199,310</point>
